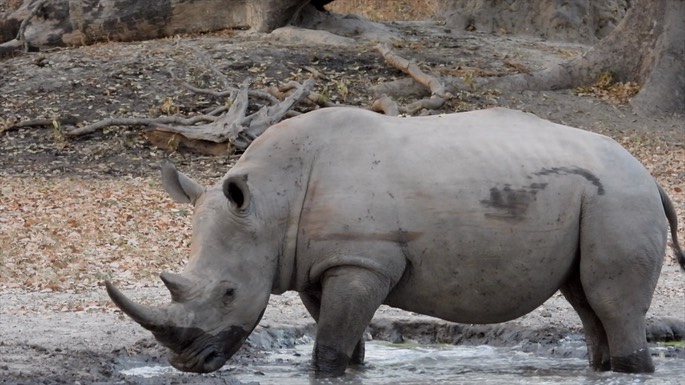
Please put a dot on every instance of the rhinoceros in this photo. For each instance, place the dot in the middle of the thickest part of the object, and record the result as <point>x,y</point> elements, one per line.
<point>474,217</point>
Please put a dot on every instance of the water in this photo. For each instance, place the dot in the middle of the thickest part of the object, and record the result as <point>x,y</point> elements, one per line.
<point>439,364</point>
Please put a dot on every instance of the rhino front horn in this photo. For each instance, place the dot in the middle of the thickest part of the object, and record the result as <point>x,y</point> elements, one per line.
<point>147,317</point>
<point>178,285</point>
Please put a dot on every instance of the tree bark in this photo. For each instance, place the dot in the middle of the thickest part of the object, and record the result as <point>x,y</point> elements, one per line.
<point>663,88</point>
<point>49,23</point>
<point>647,47</point>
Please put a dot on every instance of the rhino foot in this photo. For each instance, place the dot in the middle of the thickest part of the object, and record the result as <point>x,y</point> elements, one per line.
<point>358,354</point>
<point>329,362</point>
<point>640,361</point>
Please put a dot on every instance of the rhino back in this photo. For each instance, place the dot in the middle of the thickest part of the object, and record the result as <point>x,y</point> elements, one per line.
<point>482,202</point>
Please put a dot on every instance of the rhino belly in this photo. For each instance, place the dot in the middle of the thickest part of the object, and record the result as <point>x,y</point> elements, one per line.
<point>499,279</point>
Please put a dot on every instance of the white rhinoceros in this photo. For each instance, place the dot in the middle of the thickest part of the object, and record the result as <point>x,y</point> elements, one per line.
<point>475,217</point>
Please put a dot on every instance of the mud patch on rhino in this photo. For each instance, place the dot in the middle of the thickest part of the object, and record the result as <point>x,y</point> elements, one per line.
<point>587,174</point>
<point>511,204</point>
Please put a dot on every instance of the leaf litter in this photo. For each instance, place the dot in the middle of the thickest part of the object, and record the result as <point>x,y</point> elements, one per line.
<point>76,212</point>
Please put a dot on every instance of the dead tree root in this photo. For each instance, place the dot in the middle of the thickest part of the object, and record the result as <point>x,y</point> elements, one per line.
<point>434,84</point>
<point>219,129</point>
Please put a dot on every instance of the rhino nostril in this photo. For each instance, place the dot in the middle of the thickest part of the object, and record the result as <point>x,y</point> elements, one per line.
<point>211,356</point>
<point>213,361</point>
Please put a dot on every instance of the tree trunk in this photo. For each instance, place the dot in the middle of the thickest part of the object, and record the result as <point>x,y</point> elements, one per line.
<point>647,47</point>
<point>663,88</point>
<point>49,23</point>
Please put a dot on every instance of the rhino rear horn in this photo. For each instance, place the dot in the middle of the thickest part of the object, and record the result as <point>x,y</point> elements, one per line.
<point>178,285</point>
<point>149,318</point>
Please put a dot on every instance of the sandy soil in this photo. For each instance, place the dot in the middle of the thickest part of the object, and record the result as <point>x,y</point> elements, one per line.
<point>65,330</point>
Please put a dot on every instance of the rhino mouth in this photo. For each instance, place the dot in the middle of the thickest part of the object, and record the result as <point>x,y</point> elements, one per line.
<point>207,360</point>
<point>206,353</point>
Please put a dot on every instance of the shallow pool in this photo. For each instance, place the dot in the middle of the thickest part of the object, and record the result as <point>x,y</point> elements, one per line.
<point>437,364</point>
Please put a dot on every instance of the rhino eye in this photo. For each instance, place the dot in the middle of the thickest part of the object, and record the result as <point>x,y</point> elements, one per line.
<point>229,292</point>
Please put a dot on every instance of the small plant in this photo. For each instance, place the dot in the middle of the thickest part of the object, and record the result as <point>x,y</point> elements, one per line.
<point>173,143</point>
<point>58,133</point>
<point>169,107</point>
<point>343,90</point>
<point>469,80</point>
<point>607,87</point>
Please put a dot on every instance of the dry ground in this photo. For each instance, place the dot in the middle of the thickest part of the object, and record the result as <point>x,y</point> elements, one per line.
<point>76,212</point>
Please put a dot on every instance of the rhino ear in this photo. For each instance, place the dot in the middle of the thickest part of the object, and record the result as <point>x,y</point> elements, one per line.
<point>237,191</point>
<point>181,188</point>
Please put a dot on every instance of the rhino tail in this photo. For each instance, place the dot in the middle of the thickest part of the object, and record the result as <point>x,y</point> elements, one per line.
<point>673,223</point>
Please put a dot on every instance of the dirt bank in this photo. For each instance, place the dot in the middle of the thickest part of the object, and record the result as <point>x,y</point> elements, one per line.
<point>76,212</point>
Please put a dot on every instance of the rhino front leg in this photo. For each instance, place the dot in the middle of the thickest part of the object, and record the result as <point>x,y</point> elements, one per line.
<point>312,301</point>
<point>350,296</point>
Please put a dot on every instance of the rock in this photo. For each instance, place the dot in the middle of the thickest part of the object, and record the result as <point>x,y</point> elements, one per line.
<point>576,20</point>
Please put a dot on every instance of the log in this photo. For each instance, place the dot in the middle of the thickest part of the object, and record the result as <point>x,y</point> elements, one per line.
<point>51,23</point>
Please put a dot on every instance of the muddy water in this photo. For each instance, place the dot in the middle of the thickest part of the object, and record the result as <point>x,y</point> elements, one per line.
<point>439,364</point>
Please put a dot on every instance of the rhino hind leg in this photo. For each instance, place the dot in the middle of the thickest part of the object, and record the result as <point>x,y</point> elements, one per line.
<point>595,335</point>
<point>620,263</point>
<point>621,303</point>
<point>312,302</point>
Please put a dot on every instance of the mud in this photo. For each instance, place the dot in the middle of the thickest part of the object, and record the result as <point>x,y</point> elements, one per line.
<point>41,345</point>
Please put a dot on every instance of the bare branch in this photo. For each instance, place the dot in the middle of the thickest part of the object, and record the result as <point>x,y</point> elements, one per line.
<point>263,95</point>
<point>67,120</point>
<point>138,122</point>
<point>432,103</point>
<point>411,69</point>
<point>268,116</point>
<point>386,105</point>
<point>321,101</point>
<point>437,88</point>
<point>215,111</point>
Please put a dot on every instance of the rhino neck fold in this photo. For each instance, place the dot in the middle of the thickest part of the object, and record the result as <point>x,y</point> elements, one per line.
<point>287,270</point>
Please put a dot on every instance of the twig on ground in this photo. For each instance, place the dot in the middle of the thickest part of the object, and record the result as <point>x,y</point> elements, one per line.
<point>437,88</point>
<point>386,105</point>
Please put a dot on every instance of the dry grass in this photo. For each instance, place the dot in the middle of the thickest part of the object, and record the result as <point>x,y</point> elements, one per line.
<point>607,88</point>
<point>390,10</point>
<point>71,234</point>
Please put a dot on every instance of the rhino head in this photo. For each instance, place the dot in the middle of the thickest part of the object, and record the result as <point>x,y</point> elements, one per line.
<point>221,296</point>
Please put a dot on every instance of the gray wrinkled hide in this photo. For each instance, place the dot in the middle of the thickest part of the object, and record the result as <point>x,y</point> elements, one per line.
<point>476,217</point>
<point>475,205</point>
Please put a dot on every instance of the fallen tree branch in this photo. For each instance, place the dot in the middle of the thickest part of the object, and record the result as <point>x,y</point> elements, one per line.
<point>233,126</point>
<point>222,127</point>
<point>283,91</point>
<point>413,70</point>
<point>89,129</point>
<point>386,105</point>
<point>267,116</point>
<point>434,84</point>
<point>225,128</point>
<point>67,120</point>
